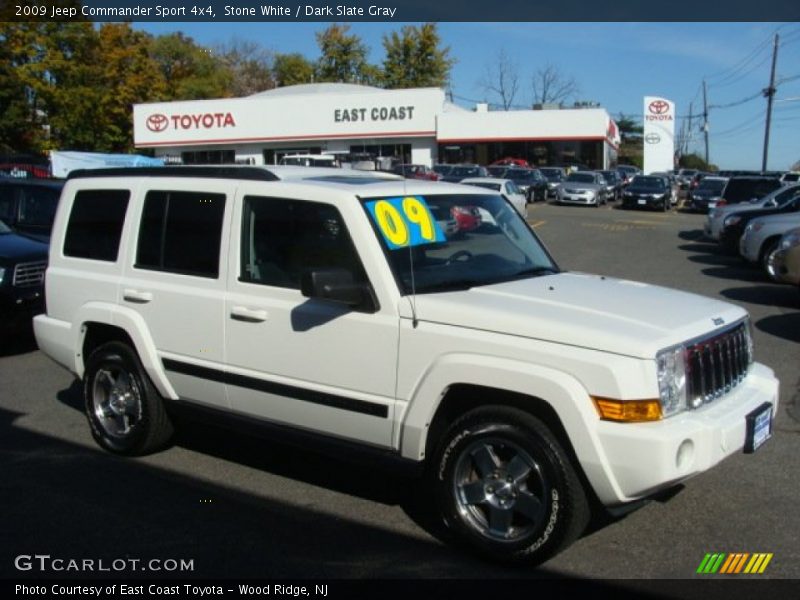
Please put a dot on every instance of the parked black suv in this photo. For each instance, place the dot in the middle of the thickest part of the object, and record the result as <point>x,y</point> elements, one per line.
<point>22,264</point>
<point>745,189</point>
<point>29,205</point>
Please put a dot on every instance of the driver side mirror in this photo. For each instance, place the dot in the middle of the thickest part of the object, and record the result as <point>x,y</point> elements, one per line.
<point>338,285</point>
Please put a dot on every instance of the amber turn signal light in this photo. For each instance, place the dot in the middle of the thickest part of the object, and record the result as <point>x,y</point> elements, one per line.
<point>628,411</point>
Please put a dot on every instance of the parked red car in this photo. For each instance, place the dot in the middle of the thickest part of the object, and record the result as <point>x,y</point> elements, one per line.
<point>467,217</point>
<point>510,161</point>
<point>416,172</point>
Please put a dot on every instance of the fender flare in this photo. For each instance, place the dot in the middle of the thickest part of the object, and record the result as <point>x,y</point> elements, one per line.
<point>567,397</point>
<point>133,324</point>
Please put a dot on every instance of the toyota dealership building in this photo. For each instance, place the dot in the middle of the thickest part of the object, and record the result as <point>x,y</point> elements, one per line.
<point>413,126</point>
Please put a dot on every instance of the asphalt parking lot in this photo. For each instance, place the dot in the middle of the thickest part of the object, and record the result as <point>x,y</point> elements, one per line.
<point>245,508</point>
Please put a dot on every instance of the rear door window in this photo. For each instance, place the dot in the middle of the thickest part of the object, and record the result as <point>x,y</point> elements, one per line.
<point>95,224</point>
<point>181,232</point>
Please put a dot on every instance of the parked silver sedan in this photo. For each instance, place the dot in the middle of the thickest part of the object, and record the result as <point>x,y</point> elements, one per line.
<point>583,187</point>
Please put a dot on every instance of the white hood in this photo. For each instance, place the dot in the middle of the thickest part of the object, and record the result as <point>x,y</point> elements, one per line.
<point>589,311</point>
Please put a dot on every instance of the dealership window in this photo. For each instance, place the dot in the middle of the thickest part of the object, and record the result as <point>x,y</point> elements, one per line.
<point>95,224</point>
<point>180,232</point>
<point>209,157</point>
<point>282,238</point>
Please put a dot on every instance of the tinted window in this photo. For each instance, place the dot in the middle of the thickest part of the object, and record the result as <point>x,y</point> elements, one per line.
<point>283,238</point>
<point>37,206</point>
<point>180,232</point>
<point>95,224</point>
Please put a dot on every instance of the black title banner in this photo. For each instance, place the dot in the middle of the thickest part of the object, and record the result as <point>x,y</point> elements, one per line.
<point>400,10</point>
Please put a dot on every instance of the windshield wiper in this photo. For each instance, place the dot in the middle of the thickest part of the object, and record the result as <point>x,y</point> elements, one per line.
<point>452,285</point>
<point>533,272</point>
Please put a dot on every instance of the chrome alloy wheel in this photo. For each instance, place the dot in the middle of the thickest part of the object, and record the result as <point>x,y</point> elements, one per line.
<point>117,401</point>
<point>499,489</point>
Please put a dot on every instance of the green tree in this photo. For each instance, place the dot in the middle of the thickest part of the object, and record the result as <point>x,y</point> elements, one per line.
<point>414,58</point>
<point>630,148</point>
<point>192,72</point>
<point>693,161</point>
<point>292,69</point>
<point>344,57</point>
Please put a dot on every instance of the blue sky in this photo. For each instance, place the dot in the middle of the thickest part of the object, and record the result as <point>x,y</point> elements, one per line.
<point>615,64</point>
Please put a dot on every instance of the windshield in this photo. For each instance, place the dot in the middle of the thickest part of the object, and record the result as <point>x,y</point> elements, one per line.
<point>581,178</point>
<point>649,183</point>
<point>466,172</point>
<point>491,244</point>
<point>551,174</point>
<point>713,185</point>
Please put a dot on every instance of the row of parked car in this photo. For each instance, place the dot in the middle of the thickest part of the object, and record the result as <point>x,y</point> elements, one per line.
<point>764,230</point>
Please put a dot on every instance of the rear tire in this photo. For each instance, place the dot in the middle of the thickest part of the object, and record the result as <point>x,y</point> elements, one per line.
<point>125,411</point>
<point>504,487</point>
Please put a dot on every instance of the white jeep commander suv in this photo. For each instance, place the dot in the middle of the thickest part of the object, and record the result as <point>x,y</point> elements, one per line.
<point>337,305</point>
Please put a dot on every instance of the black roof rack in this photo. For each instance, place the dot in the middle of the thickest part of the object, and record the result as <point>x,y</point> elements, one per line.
<point>222,172</point>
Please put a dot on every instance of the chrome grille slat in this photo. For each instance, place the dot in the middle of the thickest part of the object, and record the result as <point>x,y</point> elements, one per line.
<point>29,274</point>
<point>717,365</point>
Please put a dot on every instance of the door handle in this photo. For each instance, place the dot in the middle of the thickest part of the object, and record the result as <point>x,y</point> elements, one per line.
<point>250,315</point>
<point>137,296</point>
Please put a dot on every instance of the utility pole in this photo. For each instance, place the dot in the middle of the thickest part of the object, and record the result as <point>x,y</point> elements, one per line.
<point>689,130</point>
<point>769,93</point>
<point>705,118</point>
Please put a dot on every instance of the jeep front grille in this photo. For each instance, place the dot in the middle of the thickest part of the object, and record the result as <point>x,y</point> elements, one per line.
<point>717,364</point>
<point>29,274</point>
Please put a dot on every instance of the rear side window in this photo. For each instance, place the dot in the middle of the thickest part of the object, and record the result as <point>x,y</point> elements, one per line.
<point>181,232</point>
<point>95,224</point>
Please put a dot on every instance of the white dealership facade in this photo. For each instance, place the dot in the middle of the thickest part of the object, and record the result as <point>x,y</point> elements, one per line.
<point>413,125</point>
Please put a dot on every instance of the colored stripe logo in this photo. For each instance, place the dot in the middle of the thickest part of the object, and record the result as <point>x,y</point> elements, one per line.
<point>734,563</point>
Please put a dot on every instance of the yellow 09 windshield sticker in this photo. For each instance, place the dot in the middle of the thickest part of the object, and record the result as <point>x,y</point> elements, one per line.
<point>405,221</point>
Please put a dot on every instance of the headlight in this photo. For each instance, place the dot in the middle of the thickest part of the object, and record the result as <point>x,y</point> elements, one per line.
<point>655,196</point>
<point>2,274</point>
<point>732,220</point>
<point>671,365</point>
<point>789,240</point>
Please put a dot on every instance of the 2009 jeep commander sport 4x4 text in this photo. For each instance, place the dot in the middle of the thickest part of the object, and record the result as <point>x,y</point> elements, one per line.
<point>337,306</point>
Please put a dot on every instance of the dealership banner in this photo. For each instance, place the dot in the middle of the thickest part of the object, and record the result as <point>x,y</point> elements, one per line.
<point>395,10</point>
<point>659,134</point>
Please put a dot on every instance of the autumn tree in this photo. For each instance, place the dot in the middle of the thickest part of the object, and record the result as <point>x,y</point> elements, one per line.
<point>292,69</point>
<point>20,127</point>
<point>344,57</point>
<point>192,72</point>
<point>414,58</point>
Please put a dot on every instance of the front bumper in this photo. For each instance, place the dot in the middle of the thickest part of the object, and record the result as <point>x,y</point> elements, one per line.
<point>577,199</point>
<point>639,459</point>
<point>18,306</point>
<point>642,202</point>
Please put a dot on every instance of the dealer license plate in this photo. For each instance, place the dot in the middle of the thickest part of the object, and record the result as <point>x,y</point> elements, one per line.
<point>642,201</point>
<point>759,428</point>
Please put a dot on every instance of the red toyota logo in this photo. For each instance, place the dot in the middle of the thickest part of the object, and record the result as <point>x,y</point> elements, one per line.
<point>157,122</point>
<point>658,107</point>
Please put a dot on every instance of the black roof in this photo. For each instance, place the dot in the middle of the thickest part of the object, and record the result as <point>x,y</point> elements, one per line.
<point>211,172</point>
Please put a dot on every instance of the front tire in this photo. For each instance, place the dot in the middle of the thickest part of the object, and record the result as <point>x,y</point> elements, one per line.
<point>125,411</point>
<point>505,488</point>
<point>768,258</point>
